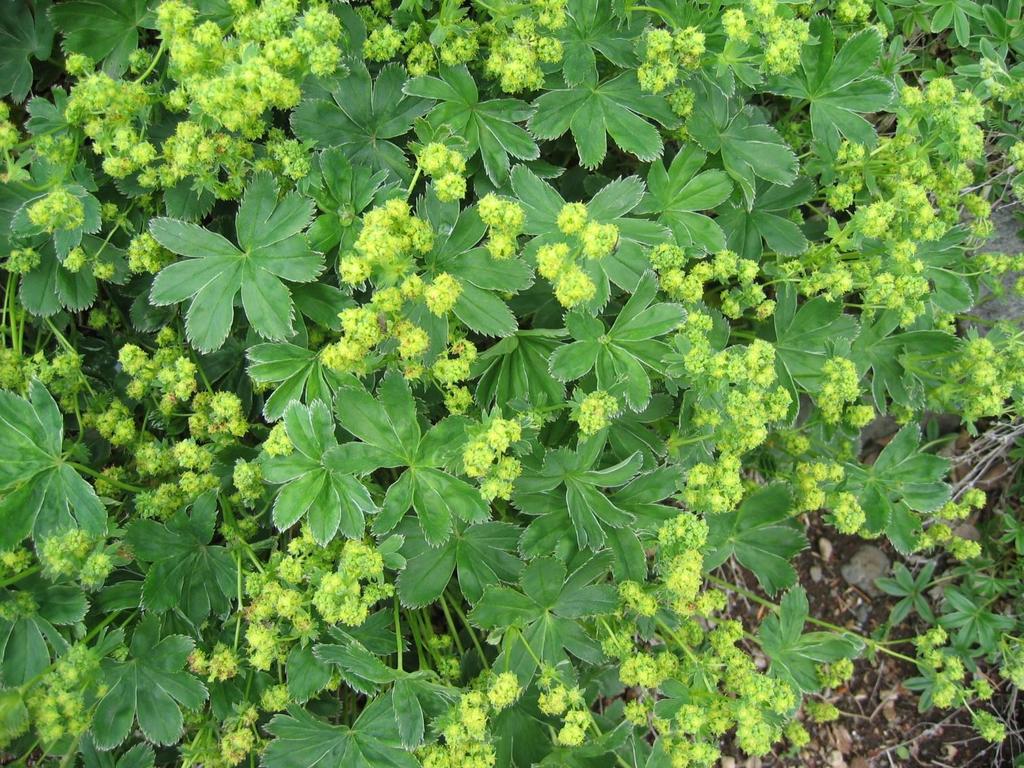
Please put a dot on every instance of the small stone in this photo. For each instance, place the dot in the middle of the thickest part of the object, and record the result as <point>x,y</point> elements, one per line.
<point>825,549</point>
<point>860,762</point>
<point>867,564</point>
<point>815,572</point>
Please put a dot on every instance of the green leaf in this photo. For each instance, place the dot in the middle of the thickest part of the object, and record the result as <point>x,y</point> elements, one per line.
<point>388,423</point>
<point>306,674</point>
<point>318,479</point>
<point>592,29</point>
<point>545,616</point>
<point>40,494</point>
<point>882,352</point>
<point>483,554</point>
<point>342,192</point>
<point>272,249</point>
<point>676,196</point>
<point>516,368</point>
<point>591,511</point>
<point>25,34</point>
<point>186,572</point>
<point>304,741</point>
<point>807,337</point>
<point>296,371</point>
<point>623,355</point>
<point>750,150</point>
<point>903,480</point>
<point>103,30</point>
<point>362,116</point>
<point>761,534</point>
<point>840,86</point>
<point>795,655</point>
<point>591,112</point>
<point>488,127</point>
<point>149,687</point>
<point>611,204</point>
<point>748,231</point>
<point>486,281</point>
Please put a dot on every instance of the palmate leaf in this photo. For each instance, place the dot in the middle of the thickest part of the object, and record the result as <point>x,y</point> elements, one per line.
<point>362,115</point>
<point>63,239</point>
<point>794,655</point>
<point>342,192</point>
<point>904,480</point>
<point>50,286</point>
<point>544,614</point>
<point>25,34</point>
<point>750,149</point>
<point>40,494</point>
<point>806,337</point>
<point>762,536</point>
<point>304,741</point>
<point>569,481</point>
<point>881,351</point>
<point>622,354</point>
<point>25,641</point>
<point>594,111</point>
<point>484,279</point>
<point>840,86</point>
<point>488,127</point>
<point>297,373</point>
<point>678,194</point>
<point>388,426</point>
<point>319,479</point>
<point>748,231</point>
<point>271,249</point>
<point>611,204</point>
<point>103,30</point>
<point>483,554</point>
<point>516,368</point>
<point>186,572</point>
<point>592,29</point>
<point>149,687</point>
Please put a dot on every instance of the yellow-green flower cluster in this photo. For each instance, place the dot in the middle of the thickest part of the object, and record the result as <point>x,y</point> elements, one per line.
<point>715,487</point>
<point>516,55</point>
<point>559,262</point>
<point>447,167</point>
<point>485,458</point>
<point>217,416</point>
<point>58,209</point>
<point>781,35</point>
<point>505,220</point>
<point>388,245</point>
<point>983,377</point>
<point>464,730</point>
<point>61,703</point>
<point>450,369</point>
<point>595,412</point>
<point>235,79</point>
<point>665,53</point>
<point>840,387</point>
<point>74,554</point>
<point>168,374</point>
<point>346,595</point>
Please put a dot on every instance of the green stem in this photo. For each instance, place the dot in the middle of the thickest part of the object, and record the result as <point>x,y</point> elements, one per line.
<point>874,644</point>
<point>153,63</point>
<point>469,628</point>
<point>19,576</point>
<point>412,184</point>
<point>398,632</point>
<point>451,625</point>
<point>110,480</point>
